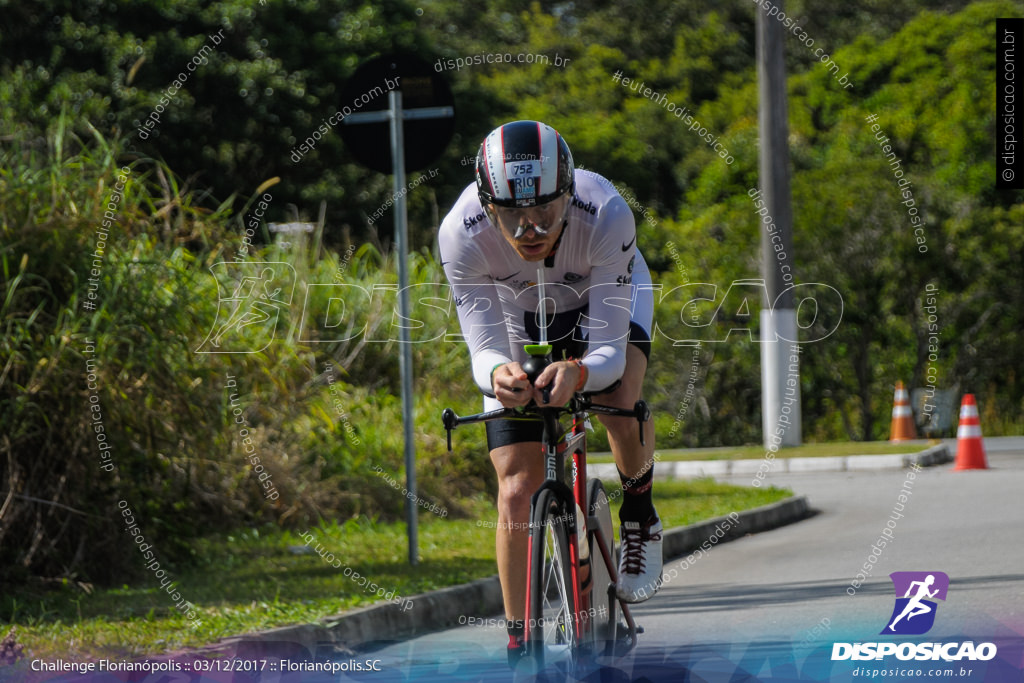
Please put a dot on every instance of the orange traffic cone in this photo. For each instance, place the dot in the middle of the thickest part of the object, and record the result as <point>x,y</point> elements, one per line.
<point>902,417</point>
<point>970,451</point>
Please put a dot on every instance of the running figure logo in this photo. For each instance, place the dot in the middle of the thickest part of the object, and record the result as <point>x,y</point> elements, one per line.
<point>247,319</point>
<point>914,613</point>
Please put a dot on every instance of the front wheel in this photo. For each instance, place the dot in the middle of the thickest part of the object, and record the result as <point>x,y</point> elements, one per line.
<point>552,633</point>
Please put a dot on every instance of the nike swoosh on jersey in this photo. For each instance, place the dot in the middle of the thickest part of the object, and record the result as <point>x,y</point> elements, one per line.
<point>502,279</point>
<point>625,247</point>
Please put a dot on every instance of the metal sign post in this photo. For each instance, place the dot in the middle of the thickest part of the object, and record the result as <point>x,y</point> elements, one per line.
<point>396,117</point>
<point>405,358</point>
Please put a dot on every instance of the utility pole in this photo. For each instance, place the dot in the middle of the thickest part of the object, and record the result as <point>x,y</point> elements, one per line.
<point>780,360</point>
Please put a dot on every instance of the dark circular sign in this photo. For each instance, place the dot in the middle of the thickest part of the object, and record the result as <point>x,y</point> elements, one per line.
<point>426,135</point>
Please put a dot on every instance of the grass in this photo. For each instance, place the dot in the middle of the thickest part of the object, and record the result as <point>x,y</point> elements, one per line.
<point>257,580</point>
<point>811,450</point>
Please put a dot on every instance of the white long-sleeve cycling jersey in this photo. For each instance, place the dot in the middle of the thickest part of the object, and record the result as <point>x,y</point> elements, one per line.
<point>595,265</point>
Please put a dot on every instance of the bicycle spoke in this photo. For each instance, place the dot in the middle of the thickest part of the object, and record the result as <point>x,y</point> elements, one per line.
<point>556,631</point>
<point>557,612</point>
<point>553,635</point>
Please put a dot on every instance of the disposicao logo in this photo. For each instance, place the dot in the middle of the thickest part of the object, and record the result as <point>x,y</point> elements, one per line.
<point>913,615</point>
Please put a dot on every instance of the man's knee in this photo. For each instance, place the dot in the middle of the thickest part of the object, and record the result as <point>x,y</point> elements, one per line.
<point>625,396</point>
<point>514,492</point>
<point>619,426</point>
<point>518,477</point>
<point>629,391</point>
<point>632,377</point>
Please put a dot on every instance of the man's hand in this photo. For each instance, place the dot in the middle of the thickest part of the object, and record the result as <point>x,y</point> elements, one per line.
<point>561,378</point>
<point>511,386</point>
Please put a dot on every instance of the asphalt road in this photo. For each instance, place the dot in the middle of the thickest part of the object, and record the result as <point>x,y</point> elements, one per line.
<point>771,605</point>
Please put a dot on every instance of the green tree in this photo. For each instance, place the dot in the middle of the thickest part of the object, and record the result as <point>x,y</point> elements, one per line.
<point>853,225</point>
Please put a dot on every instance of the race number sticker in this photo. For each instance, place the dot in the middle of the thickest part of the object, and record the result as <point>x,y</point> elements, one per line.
<point>522,169</point>
<point>523,177</point>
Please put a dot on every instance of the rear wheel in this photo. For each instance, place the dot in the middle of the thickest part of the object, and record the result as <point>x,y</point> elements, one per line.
<point>552,638</point>
<point>598,619</point>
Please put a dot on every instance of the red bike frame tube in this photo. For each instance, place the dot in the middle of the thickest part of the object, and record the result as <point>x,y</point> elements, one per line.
<point>579,466</point>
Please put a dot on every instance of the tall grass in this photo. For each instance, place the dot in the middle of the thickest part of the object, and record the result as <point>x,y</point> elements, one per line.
<point>320,415</point>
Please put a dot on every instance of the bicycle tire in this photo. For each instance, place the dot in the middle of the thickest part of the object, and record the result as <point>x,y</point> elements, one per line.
<point>553,636</point>
<point>600,628</point>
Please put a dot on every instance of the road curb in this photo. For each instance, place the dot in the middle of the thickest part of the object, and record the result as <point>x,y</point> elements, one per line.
<point>451,606</point>
<point>936,455</point>
<point>685,469</point>
<point>682,540</point>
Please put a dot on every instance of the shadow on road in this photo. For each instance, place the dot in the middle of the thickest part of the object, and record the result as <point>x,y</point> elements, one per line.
<point>726,597</point>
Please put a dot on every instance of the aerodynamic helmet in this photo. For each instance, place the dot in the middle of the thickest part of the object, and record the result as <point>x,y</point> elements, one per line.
<point>523,164</point>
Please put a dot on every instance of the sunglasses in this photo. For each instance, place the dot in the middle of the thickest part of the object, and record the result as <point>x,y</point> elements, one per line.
<point>541,219</point>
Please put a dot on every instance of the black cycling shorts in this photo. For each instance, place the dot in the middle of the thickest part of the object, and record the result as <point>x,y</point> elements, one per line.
<point>565,345</point>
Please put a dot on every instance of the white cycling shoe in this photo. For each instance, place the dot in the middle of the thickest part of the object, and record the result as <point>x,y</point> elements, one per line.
<point>640,560</point>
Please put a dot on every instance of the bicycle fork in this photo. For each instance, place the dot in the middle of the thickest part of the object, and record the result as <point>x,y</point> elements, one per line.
<point>554,463</point>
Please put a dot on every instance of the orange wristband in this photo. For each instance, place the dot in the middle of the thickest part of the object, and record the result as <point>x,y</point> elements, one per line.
<point>583,374</point>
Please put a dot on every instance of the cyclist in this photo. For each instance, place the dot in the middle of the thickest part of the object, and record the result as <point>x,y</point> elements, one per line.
<point>529,208</point>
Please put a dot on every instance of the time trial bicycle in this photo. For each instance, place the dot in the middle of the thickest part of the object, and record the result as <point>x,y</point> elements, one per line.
<point>570,597</point>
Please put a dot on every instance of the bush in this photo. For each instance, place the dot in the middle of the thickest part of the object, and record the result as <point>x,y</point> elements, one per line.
<point>104,398</point>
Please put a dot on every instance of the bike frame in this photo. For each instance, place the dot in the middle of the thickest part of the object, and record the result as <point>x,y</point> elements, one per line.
<point>556,441</point>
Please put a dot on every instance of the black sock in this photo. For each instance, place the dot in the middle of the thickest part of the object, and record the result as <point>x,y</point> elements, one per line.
<point>636,497</point>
